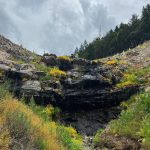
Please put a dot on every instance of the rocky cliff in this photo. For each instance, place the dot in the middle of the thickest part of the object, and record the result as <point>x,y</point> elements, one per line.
<point>85,89</point>
<point>87,85</point>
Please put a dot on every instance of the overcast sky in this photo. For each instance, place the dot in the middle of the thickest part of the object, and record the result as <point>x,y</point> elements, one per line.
<point>58,26</point>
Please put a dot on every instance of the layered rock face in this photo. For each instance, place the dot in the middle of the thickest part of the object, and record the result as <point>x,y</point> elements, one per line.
<point>87,85</point>
<point>93,87</point>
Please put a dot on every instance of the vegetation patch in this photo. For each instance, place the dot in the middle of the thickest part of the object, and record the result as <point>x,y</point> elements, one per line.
<point>133,123</point>
<point>41,67</point>
<point>135,77</point>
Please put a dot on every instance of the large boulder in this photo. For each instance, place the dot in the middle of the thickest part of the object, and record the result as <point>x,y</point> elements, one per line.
<point>6,65</point>
<point>31,86</point>
<point>43,95</point>
<point>50,60</point>
<point>64,64</point>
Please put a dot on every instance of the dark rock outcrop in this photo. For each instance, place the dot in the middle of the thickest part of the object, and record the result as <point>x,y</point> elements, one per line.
<point>94,98</point>
<point>87,86</point>
<point>20,71</point>
<point>65,64</point>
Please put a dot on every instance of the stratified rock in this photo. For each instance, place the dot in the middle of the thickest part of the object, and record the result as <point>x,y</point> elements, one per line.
<point>42,95</point>
<point>86,86</point>
<point>85,99</point>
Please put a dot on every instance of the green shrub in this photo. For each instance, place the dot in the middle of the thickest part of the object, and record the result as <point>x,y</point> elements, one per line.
<point>128,79</point>
<point>70,138</point>
<point>31,127</point>
<point>45,113</point>
<point>41,67</point>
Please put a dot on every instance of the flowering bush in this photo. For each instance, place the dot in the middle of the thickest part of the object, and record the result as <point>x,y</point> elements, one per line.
<point>66,58</point>
<point>55,72</point>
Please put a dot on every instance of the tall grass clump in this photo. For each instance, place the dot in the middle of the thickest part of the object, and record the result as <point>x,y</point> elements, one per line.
<point>5,139</point>
<point>4,90</point>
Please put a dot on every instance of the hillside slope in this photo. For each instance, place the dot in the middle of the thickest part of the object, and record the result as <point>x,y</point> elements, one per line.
<point>136,57</point>
<point>9,50</point>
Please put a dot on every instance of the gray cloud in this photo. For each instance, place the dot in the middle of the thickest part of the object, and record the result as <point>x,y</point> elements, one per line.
<point>59,26</point>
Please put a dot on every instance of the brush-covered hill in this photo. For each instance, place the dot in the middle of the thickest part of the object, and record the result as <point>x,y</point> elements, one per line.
<point>11,51</point>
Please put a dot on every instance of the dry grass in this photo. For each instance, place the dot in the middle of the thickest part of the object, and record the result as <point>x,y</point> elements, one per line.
<point>26,129</point>
<point>5,139</point>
